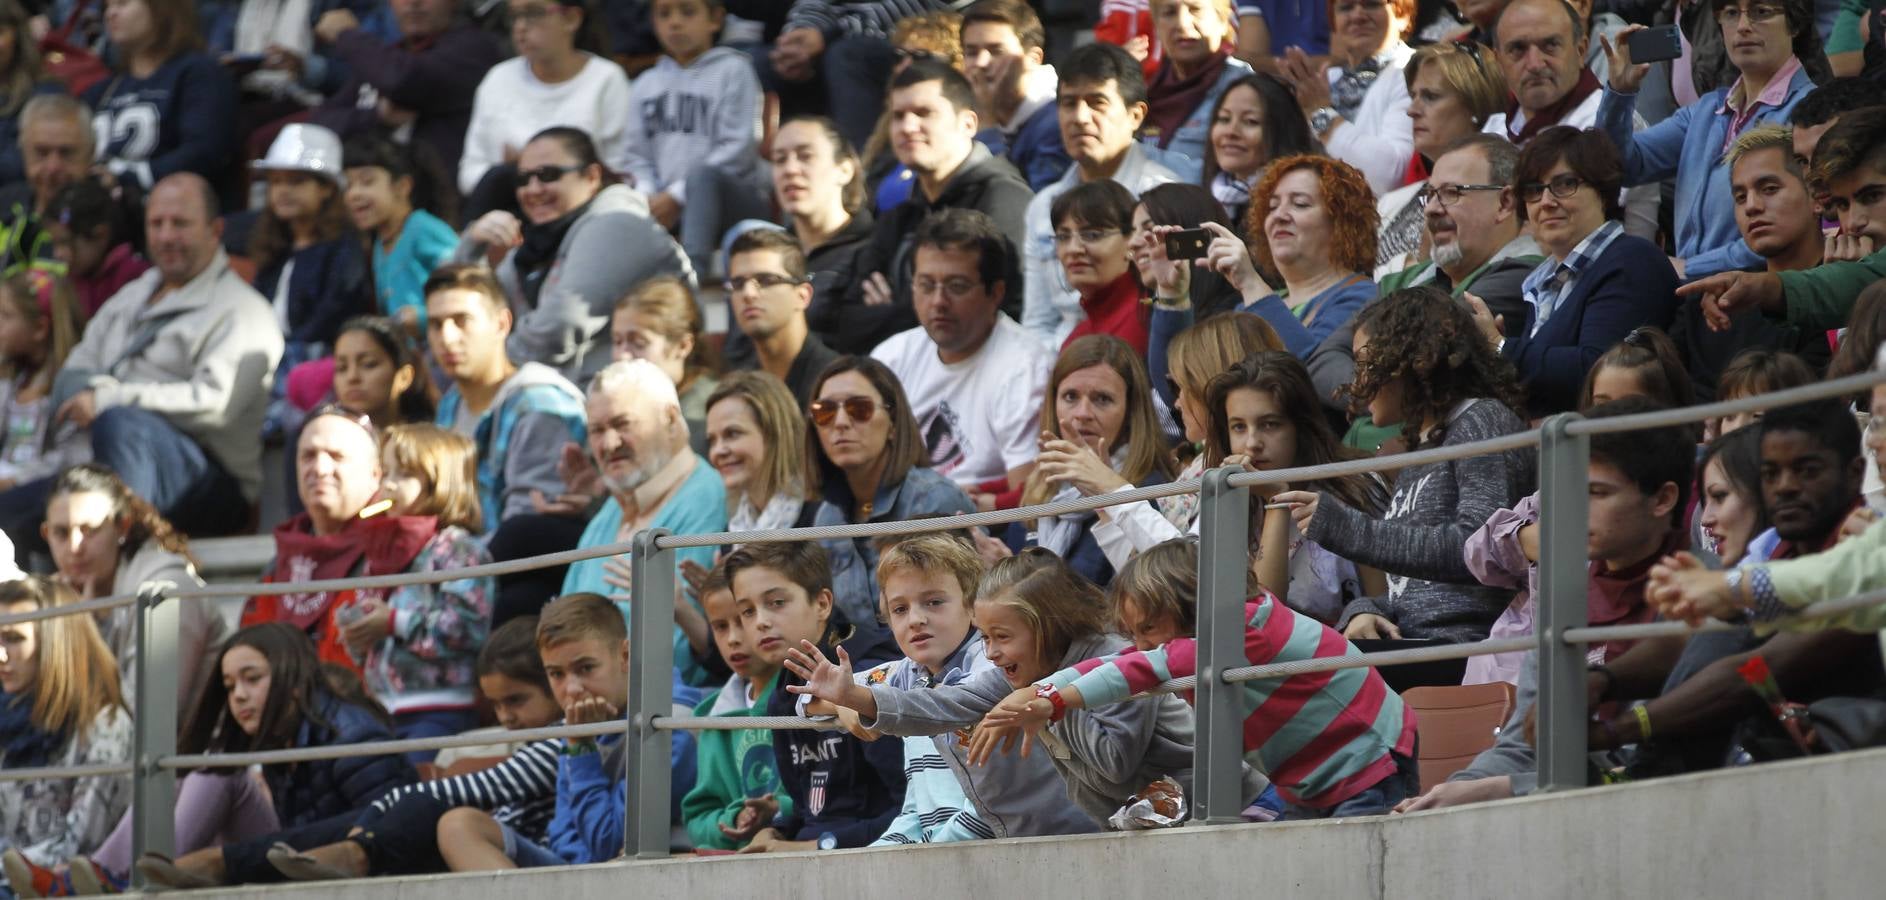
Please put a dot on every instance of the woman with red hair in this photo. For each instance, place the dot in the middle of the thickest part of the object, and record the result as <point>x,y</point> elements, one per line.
<point>1312,224</point>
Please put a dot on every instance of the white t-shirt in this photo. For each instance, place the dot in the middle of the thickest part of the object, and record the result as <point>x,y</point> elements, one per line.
<point>512,105</point>
<point>979,417</point>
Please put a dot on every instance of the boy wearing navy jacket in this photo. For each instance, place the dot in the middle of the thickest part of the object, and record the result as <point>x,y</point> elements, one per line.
<point>845,792</point>
<point>585,646</point>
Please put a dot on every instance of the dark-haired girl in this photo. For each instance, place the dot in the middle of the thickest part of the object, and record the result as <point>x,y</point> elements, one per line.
<point>1422,361</point>
<point>397,199</point>
<point>89,235</point>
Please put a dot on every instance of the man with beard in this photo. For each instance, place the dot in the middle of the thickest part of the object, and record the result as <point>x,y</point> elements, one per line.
<point>639,442</point>
<point>1473,228</point>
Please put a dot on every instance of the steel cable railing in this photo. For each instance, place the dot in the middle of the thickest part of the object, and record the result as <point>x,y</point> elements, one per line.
<point>1561,451</point>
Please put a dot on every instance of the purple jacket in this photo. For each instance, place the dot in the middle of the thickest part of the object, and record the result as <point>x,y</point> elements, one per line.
<point>434,77</point>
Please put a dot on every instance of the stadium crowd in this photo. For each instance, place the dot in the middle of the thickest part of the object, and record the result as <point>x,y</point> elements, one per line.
<point>454,265</point>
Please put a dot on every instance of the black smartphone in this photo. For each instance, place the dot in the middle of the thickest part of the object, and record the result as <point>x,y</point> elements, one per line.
<point>1188,244</point>
<point>1655,44</point>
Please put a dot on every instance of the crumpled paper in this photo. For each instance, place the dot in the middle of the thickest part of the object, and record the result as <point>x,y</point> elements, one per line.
<point>1158,805</point>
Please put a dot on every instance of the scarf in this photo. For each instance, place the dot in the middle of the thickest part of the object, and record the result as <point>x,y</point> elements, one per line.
<point>1231,192</point>
<point>1345,95</point>
<point>1548,117</point>
<point>1617,598</point>
<point>781,511</point>
<point>533,257</point>
<point>387,544</point>
<point>1170,100</point>
<point>23,743</point>
<point>1060,533</point>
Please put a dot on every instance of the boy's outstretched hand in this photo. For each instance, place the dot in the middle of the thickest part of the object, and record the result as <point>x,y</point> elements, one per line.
<point>755,813</point>
<point>824,679</point>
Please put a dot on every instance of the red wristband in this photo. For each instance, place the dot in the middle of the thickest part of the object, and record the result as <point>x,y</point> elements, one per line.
<point>1052,694</point>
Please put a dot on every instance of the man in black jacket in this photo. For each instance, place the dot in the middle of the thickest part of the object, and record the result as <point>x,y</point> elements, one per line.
<point>933,132</point>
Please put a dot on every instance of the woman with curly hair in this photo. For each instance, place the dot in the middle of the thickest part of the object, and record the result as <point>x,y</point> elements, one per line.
<point>1314,233</point>
<point>1421,361</point>
<point>106,541</point>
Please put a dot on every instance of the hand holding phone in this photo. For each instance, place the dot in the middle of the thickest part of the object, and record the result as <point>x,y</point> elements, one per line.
<point>1655,44</point>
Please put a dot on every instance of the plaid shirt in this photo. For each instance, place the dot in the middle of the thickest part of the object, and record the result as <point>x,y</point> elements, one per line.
<point>1553,279</point>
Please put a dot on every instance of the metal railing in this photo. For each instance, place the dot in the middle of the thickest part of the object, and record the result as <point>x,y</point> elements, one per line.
<point>1561,630</point>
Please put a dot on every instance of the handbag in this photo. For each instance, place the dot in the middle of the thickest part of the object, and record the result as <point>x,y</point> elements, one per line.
<point>67,58</point>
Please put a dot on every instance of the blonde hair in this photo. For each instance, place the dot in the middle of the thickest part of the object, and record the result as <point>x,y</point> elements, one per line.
<point>1199,353</point>
<point>1766,137</point>
<point>447,462</point>
<point>578,617</point>
<point>781,423</point>
<point>1160,583</point>
<point>65,324</point>
<point>931,554</point>
<point>78,675</point>
<point>1468,69</point>
<point>1056,604</point>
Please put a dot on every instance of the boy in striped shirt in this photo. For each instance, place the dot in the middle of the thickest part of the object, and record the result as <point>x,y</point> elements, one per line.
<point>1336,743</point>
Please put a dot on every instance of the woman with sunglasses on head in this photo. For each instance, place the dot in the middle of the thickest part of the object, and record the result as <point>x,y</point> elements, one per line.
<point>1775,48</point>
<point>1357,103</point>
<point>1099,433</point>
<point>1453,89</point>
<point>867,462</point>
<point>1596,283</point>
<point>584,241</point>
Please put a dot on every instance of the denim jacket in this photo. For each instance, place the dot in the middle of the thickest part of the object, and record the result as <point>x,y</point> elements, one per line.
<point>921,493</point>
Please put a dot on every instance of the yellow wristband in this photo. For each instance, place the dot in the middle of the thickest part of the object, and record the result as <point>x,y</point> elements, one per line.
<point>1643,722</point>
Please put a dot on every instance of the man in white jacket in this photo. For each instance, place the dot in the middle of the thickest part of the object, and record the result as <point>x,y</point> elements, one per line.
<point>172,377</point>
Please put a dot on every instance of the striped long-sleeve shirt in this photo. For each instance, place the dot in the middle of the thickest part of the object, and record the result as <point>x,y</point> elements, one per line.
<point>1322,737</point>
<point>520,792</point>
<point>854,18</point>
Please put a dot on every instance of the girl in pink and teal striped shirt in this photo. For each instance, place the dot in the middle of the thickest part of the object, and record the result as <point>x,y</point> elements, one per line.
<point>1334,743</point>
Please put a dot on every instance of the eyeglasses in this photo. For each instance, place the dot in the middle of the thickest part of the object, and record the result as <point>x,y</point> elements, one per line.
<point>1450,194</point>
<point>763,281</point>
<point>545,174</point>
<point>858,409</point>
<point>954,288</point>
<point>1728,14</point>
<point>1087,236</point>
<point>1471,48</point>
<point>1561,186</point>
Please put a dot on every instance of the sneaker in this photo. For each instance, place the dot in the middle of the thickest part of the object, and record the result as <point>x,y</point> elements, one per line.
<point>30,880</point>
<point>89,879</point>
<point>161,872</point>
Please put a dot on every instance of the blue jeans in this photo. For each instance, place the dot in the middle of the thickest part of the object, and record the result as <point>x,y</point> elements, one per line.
<point>853,73</point>
<point>187,484</point>
<point>528,854</point>
<point>432,723</point>
<point>1381,797</point>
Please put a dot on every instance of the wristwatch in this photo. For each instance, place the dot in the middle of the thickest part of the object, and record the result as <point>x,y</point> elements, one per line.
<point>1322,118</point>
<point>1056,703</point>
<point>828,841</point>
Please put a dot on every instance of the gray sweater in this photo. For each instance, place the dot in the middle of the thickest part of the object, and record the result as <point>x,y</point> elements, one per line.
<point>1510,755</point>
<point>1104,755</point>
<point>1421,543</point>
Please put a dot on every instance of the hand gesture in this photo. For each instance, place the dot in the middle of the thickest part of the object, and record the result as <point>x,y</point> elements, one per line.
<point>619,574</point>
<point>1681,588</point>
<point>1843,247</point>
<point>1492,327</point>
<point>755,813</point>
<point>823,678</point>
<point>1228,256</point>
<point>589,711</point>
<point>988,740</point>
<point>578,474</point>
<point>1308,80</point>
<point>1728,293</point>
<point>1302,507</point>
<point>1371,627</point>
<point>79,409</point>
<point>693,575</point>
<point>796,53</point>
<point>374,624</point>
<point>498,231</point>
<point>1079,465</point>
<point>1626,76</point>
<point>877,290</point>
<point>990,549</point>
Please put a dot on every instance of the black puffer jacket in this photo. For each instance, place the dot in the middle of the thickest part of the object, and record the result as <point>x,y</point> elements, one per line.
<point>311,791</point>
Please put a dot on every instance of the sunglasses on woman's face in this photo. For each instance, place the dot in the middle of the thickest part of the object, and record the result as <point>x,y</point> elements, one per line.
<point>858,409</point>
<point>545,174</point>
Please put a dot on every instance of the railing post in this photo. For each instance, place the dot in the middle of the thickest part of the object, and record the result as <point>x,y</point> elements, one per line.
<point>651,694</point>
<point>154,721</point>
<point>1564,482</point>
<point>1223,572</point>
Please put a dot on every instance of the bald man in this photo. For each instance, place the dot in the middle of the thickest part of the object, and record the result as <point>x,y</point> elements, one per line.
<point>171,379</point>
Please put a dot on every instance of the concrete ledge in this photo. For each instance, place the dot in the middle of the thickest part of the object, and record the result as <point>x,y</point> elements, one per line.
<point>1805,829</point>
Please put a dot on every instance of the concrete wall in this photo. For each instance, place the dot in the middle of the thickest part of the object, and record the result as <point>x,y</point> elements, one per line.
<point>1806,829</point>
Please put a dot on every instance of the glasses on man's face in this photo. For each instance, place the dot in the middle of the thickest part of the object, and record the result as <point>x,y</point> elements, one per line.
<point>858,409</point>
<point>1450,194</point>
<point>764,281</point>
<point>1728,14</point>
<point>1561,186</point>
<point>545,174</point>
<point>953,288</point>
<point>1088,237</point>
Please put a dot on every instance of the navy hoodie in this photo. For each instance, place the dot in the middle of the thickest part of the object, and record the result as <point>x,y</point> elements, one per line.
<point>838,784</point>
<point>180,119</point>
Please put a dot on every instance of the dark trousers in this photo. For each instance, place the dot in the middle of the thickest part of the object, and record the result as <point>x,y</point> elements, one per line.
<point>159,463</point>
<point>403,841</point>
<point>849,86</point>
<point>525,593</point>
<point>1381,797</point>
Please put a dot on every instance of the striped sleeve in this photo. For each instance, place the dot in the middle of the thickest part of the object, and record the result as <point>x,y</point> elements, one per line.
<point>526,775</point>
<point>1115,678</point>
<point>867,18</point>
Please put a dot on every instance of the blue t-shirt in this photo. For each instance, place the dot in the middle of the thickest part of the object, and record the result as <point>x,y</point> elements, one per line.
<point>1293,23</point>
<point>399,276</point>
